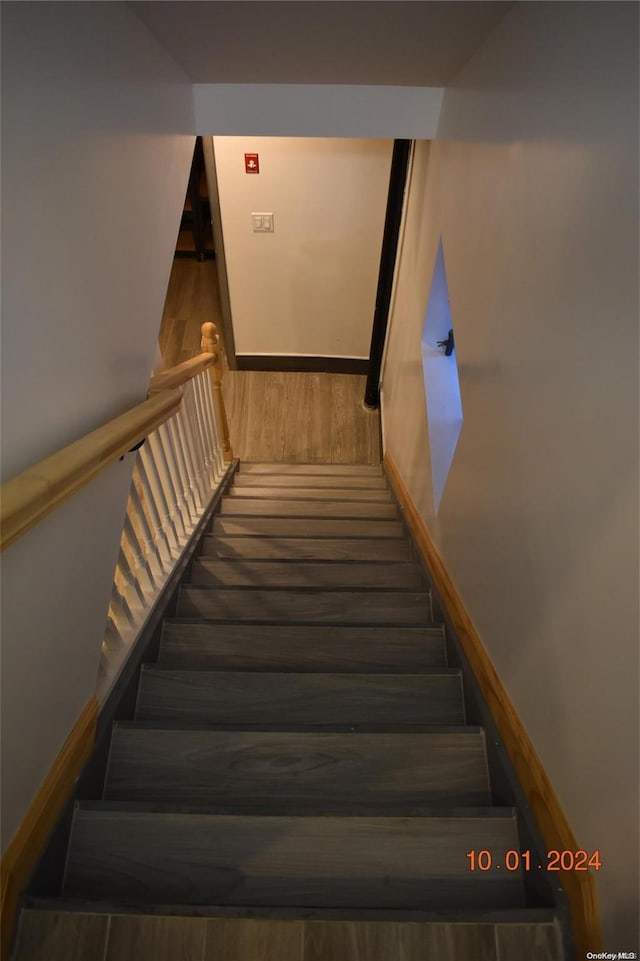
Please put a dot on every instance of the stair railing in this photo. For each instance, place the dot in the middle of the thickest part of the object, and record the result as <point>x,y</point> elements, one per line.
<point>181,438</point>
<point>178,469</point>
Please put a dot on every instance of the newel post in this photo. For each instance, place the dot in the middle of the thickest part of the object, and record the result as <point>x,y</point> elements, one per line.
<point>210,344</point>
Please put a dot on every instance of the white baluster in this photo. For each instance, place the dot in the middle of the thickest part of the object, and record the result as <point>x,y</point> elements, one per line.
<point>161,441</point>
<point>186,443</point>
<point>199,431</point>
<point>120,606</point>
<point>134,592</point>
<point>181,475</point>
<point>193,441</point>
<point>141,569</point>
<point>158,501</point>
<point>175,473</point>
<point>110,657</point>
<point>157,547</point>
<point>206,430</point>
<point>112,637</point>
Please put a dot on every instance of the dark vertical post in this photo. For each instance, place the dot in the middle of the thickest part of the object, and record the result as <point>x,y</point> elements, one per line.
<point>395,200</point>
<point>197,166</point>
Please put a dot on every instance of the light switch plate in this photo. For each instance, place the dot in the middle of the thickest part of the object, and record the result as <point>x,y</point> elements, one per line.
<point>262,223</point>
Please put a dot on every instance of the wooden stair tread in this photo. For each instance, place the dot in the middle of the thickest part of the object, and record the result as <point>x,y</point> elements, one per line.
<point>300,604</point>
<point>299,773</point>
<point>260,697</point>
<point>234,572</point>
<point>325,861</point>
<point>283,547</point>
<point>202,644</point>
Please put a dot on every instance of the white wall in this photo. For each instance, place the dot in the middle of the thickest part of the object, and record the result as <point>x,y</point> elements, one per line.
<point>316,110</point>
<point>533,187</point>
<point>97,134</point>
<point>310,286</point>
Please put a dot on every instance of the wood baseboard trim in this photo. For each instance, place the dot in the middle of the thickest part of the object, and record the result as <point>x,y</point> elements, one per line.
<point>551,820</point>
<point>28,842</point>
<point>316,365</point>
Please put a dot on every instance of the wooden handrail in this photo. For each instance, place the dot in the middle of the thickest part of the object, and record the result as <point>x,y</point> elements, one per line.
<point>179,375</point>
<point>28,497</point>
<point>31,495</point>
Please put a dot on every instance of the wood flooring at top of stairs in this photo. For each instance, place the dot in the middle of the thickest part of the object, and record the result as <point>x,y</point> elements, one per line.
<point>298,418</point>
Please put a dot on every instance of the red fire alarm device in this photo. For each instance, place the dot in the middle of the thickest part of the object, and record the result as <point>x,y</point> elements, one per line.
<point>251,163</point>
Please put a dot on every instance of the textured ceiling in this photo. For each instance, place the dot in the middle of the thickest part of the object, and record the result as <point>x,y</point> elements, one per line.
<point>331,41</point>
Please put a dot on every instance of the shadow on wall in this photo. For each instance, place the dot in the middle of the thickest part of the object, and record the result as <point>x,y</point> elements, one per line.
<point>441,383</point>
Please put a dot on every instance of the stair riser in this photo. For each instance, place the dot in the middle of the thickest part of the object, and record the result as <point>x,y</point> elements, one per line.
<point>341,862</point>
<point>236,573</point>
<point>311,470</point>
<point>314,482</point>
<point>267,773</point>
<point>244,698</point>
<point>336,607</point>
<point>280,507</point>
<point>303,548</point>
<point>363,494</point>
<point>254,647</point>
<point>310,527</point>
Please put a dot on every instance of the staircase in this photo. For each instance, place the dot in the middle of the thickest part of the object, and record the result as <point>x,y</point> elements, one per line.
<point>299,782</point>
